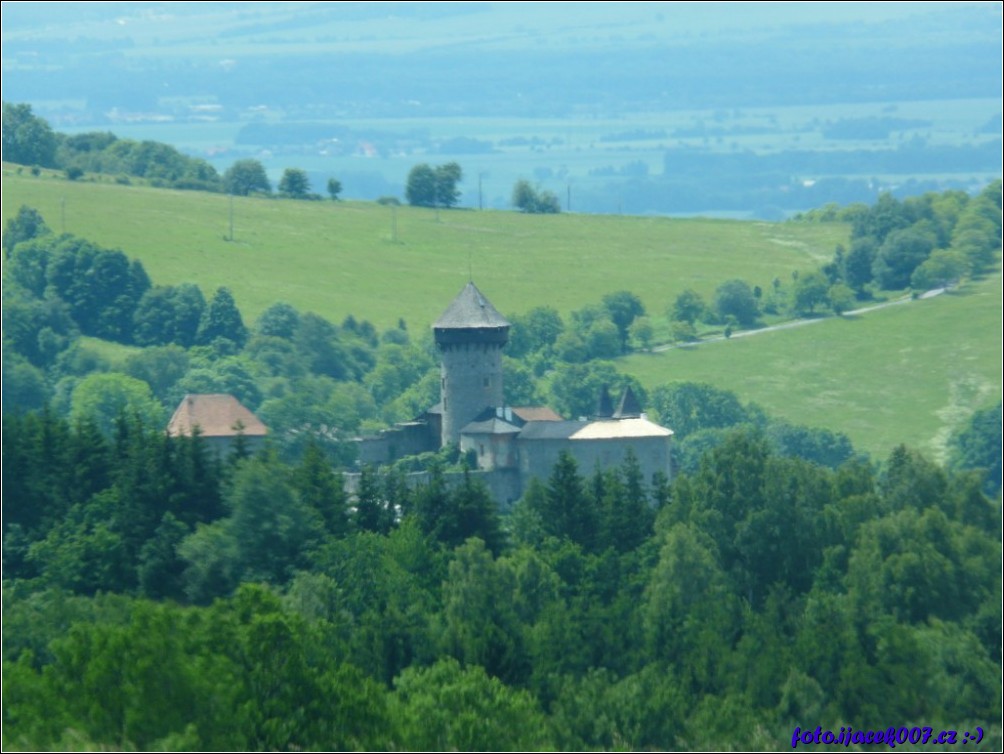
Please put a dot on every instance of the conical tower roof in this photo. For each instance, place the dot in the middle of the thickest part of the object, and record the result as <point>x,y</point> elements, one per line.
<point>470,310</point>
<point>629,406</point>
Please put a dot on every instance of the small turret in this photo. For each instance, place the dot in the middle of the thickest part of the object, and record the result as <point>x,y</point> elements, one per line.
<point>604,404</point>
<point>629,407</point>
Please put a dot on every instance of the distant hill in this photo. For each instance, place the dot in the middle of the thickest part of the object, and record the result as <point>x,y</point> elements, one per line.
<point>380,263</point>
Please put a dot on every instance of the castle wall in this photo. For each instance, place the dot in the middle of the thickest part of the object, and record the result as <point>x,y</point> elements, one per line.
<point>224,445</point>
<point>495,451</point>
<point>405,439</point>
<point>538,457</point>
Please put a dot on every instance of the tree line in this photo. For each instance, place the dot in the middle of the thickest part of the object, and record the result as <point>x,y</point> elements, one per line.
<point>29,140</point>
<point>931,241</point>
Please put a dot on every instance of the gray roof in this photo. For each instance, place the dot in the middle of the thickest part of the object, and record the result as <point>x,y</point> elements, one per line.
<point>492,426</point>
<point>550,430</point>
<point>470,309</point>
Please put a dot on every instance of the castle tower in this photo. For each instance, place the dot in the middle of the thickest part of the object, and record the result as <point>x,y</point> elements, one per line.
<point>470,335</point>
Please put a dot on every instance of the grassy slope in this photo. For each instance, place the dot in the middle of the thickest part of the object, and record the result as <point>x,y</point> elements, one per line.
<point>339,259</point>
<point>903,374</point>
<point>910,373</point>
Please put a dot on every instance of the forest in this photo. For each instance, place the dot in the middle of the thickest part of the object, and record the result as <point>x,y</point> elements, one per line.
<point>156,597</point>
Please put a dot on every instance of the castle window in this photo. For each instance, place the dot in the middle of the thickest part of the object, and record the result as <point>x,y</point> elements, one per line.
<point>488,381</point>
<point>481,450</point>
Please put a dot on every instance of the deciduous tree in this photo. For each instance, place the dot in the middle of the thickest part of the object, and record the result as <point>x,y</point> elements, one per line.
<point>809,292</point>
<point>434,187</point>
<point>334,188</point>
<point>245,177</point>
<point>294,184</point>
<point>421,188</point>
<point>623,307</point>
<point>942,268</point>
<point>24,226</point>
<point>901,253</point>
<point>688,407</point>
<point>528,199</point>
<point>105,397</point>
<point>688,307</point>
<point>27,139</point>
<point>448,708</point>
<point>735,299</point>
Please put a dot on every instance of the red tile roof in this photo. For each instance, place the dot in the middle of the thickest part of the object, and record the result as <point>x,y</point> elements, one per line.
<point>216,415</point>
<point>536,414</point>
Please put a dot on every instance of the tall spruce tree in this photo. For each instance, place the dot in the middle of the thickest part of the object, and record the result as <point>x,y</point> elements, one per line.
<point>322,489</point>
<point>568,511</point>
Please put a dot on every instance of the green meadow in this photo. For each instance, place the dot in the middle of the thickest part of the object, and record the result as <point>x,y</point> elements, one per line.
<point>381,263</point>
<point>910,373</point>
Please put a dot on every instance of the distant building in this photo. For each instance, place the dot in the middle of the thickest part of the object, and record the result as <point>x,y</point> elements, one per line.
<point>512,444</point>
<point>218,417</point>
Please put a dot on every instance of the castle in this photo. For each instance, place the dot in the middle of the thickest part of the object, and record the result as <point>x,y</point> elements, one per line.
<point>512,443</point>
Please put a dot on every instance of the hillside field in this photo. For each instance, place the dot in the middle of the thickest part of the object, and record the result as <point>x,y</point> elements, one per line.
<point>904,374</point>
<point>908,373</point>
<point>344,258</point>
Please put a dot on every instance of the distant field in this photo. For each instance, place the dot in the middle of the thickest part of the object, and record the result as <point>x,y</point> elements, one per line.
<point>905,374</point>
<point>573,153</point>
<point>347,258</point>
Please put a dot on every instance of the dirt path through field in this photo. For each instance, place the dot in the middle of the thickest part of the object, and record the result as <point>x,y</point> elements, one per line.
<point>800,322</point>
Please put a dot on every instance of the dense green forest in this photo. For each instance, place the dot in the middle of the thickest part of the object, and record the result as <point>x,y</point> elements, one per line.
<point>156,597</point>
<point>159,597</point>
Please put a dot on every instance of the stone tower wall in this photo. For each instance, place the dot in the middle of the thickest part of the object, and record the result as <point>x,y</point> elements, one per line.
<point>471,380</point>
